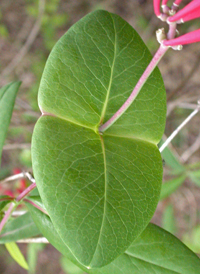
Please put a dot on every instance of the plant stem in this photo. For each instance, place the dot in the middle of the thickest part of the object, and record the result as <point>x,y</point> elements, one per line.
<point>6,216</point>
<point>25,192</point>
<point>19,176</point>
<point>159,54</point>
<point>34,240</point>
<point>7,199</point>
<point>176,131</point>
<point>36,206</point>
<point>18,199</point>
<point>18,213</point>
<point>172,31</point>
<point>13,178</point>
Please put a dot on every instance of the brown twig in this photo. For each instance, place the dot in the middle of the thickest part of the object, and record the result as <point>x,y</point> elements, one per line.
<point>19,176</point>
<point>181,100</point>
<point>176,131</point>
<point>190,197</point>
<point>191,150</point>
<point>16,146</point>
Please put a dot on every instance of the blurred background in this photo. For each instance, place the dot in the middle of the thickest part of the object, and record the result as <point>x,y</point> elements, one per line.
<point>28,31</point>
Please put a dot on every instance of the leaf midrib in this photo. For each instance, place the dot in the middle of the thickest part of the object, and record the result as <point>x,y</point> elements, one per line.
<point>105,198</point>
<point>134,256</point>
<point>16,230</point>
<point>111,75</point>
<point>95,129</point>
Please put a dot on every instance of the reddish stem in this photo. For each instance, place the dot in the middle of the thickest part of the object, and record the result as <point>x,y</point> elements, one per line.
<point>6,199</point>
<point>172,31</point>
<point>36,206</point>
<point>6,216</point>
<point>26,192</point>
<point>159,54</point>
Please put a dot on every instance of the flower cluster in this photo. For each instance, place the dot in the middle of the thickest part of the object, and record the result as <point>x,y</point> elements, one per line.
<point>18,187</point>
<point>172,16</point>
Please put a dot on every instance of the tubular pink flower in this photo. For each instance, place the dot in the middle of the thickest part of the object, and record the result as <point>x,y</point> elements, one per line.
<point>164,6</point>
<point>190,8</point>
<point>188,38</point>
<point>156,4</point>
<point>190,16</point>
<point>177,2</point>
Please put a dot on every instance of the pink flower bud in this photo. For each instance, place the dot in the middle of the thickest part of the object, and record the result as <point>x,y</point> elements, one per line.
<point>156,4</point>
<point>189,38</point>
<point>186,11</point>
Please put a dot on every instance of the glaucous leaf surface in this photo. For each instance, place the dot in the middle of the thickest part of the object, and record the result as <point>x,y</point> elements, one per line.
<point>99,190</point>
<point>19,228</point>
<point>155,251</point>
<point>7,100</point>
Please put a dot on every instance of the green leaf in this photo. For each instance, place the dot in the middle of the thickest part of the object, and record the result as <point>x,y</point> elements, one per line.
<point>36,200</point>
<point>171,185</point>
<point>69,267</point>
<point>4,200</point>
<point>168,219</point>
<point>108,207</point>
<point>16,254</point>
<point>154,251</point>
<point>171,159</point>
<point>7,100</point>
<point>195,177</point>
<point>34,192</point>
<point>19,228</point>
<point>32,255</point>
<point>192,239</point>
<point>99,190</point>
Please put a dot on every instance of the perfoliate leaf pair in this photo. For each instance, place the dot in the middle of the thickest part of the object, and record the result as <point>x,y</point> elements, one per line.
<point>99,190</point>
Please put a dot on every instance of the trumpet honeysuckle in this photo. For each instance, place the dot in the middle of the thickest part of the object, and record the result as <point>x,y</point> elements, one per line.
<point>189,38</point>
<point>177,2</point>
<point>174,17</point>
<point>189,12</point>
<point>156,4</point>
<point>166,41</point>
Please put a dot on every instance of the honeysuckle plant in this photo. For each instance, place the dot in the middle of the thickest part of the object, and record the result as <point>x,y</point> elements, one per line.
<point>96,162</point>
<point>189,12</point>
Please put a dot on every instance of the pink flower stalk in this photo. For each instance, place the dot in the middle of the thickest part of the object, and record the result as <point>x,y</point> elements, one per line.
<point>156,4</point>
<point>188,38</point>
<point>186,11</point>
